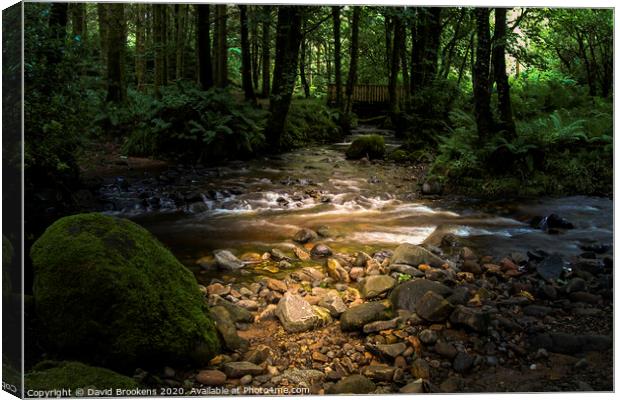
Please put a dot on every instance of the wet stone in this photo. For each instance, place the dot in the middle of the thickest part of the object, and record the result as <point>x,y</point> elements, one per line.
<point>238,369</point>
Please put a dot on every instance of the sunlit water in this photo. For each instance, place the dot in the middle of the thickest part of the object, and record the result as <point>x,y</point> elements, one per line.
<point>260,204</point>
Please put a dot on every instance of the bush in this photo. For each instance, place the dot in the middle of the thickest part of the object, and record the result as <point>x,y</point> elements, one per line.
<point>106,291</point>
<point>189,123</point>
<point>371,146</point>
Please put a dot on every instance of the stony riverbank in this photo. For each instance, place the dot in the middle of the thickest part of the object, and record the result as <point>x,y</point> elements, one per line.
<point>418,319</point>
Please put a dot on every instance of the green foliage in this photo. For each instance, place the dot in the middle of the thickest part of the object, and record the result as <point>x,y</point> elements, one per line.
<point>404,278</point>
<point>371,146</point>
<point>555,151</point>
<point>189,123</point>
<point>310,121</point>
<point>72,375</point>
<point>85,263</point>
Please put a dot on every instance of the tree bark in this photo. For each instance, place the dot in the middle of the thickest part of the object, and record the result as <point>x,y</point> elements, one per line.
<point>254,47</point>
<point>352,79</point>
<point>482,90</point>
<point>246,60</point>
<point>265,59</point>
<point>180,11</point>
<point>426,31</point>
<point>140,59</point>
<point>203,46</point>
<point>158,46</point>
<point>117,37</point>
<point>288,39</point>
<point>221,49</point>
<point>337,55</point>
<point>302,65</point>
<point>78,21</point>
<point>102,16</point>
<point>395,48</point>
<point>506,121</point>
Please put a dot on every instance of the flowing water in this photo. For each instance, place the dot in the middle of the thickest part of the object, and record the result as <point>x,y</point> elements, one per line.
<point>260,204</point>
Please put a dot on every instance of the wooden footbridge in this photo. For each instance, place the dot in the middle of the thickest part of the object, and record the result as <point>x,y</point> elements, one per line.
<point>366,94</point>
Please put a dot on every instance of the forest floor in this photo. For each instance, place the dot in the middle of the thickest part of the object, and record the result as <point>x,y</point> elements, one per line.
<point>497,325</point>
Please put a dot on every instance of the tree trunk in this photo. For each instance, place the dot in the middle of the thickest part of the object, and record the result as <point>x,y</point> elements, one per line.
<point>352,79</point>
<point>395,48</point>
<point>102,16</point>
<point>288,39</point>
<point>221,49</point>
<point>426,31</point>
<point>506,121</point>
<point>337,55</point>
<point>254,47</point>
<point>302,65</point>
<point>246,60</point>
<point>158,46</point>
<point>266,44</point>
<point>482,92</point>
<point>78,21</point>
<point>117,37</point>
<point>140,58</point>
<point>404,66</point>
<point>181,10</point>
<point>203,46</point>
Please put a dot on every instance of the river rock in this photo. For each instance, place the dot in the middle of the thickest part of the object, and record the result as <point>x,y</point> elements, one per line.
<point>227,260</point>
<point>433,307</point>
<point>391,350</point>
<point>535,310</point>
<point>333,303</point>
<point>406,269</point>
<point>476,320</point>
<point>278,255</point>
<point>462,362</point>
<point>237,369</point>
<point>302,377</point>
<point>275,284</point>
<point>301,254</point>
<point>414,255</point>
<point>356,317</point>
<point>320,250</point>
<point>428,336</point>
<point>308,274</point>
<point>379,326</point>
<point>472,267</point>
<point>323,314</point>
<point>357,273</point>
<point>406,295</point>
<point>305,235</point>
<point>218,288</point>
<point>257,355</point>
<point>575,285</point>
<point>445,349</point>
<point>211,377</point>
<point>249,305</point>
<point>374,286</point>
<point>352,384</point>
<point>296,314</point>
<point>337,271</point>
<point>380,372</point>
<point>416,386</point>
<point>226,327</point>
<point>551,267</point>
<point>420,369</point>
<point>237,314</point>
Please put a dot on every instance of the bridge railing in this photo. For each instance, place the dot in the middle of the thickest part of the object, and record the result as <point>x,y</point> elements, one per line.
<point>366,93</point>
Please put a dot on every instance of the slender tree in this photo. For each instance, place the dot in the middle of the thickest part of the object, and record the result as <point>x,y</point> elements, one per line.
<point>102,17</point>
<point>117,37</point>
<point>395,47</point>
<point>221,48</point>
<point>158,46</point>
<point>482,90</point>
<point>140,59</point>
<point>506,121</point>
<point>203,46</point>
<point>180,16</point>
<point>78,21</point>
<point>302,63</point>
<point>253,21</point>
<point>265,51</point>
<point>246,60</point>
<point>288,40</point>
<point>337,55</point>
<point>352,79</point>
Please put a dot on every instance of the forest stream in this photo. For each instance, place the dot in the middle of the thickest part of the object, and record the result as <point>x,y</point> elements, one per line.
<point>257,205</point>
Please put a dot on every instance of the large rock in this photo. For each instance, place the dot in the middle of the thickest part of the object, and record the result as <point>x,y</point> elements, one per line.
<point>296,314</point>
<point>107,291</point>
<point>476,320</point>
<point>406,295</point>
<point>353,384</point>
<point>308,274</point>
<point>50,375</point>
<point>414,255</point>
<point>370,146</point>
<point>551,267</point>
<point>227,329</point>
<point>376,285</point>
<point>333,303</point>
<point>433,307</point>
<point>227,260</point>
<point>305,236</point>
<point>356,317</point>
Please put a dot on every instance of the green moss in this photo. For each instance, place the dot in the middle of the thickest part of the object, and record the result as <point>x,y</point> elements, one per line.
<point>74,375</point>
<point>371,146</point>
<point>399,155</point>
<point>108,292</point>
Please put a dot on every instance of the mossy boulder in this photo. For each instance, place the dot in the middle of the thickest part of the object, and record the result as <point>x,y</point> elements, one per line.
<point>49,375</point>
<point>371,146</point>
<point>108,293</point>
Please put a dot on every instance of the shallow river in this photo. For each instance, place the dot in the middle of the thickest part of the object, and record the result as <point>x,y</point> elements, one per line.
<point>260,204</point>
